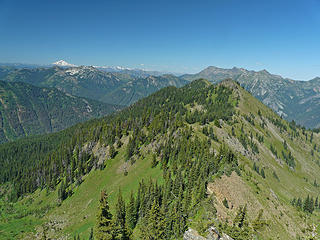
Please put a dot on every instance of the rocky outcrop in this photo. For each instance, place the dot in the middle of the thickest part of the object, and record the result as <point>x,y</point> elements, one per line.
<point>213,234</point>
<point>191,234</point>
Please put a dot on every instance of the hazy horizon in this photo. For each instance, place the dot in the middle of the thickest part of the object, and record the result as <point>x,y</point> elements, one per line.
<point>172,36</point>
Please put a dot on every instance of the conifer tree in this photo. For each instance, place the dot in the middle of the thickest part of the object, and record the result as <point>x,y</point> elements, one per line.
<point>258,223</point>
<point>225,203</point>
<point>62,194</point>
<point>120,218</point>
<point>299,203</point>
<point>241,229</point>
<point>306,205</point>
<point>120,210</point>
<point>91,234</point>
<point>311,205</point>
<point>154,161</point>
<point>105,225</point>
<point>154,227</point>
<point>112,151</point>
<point>131,216</point>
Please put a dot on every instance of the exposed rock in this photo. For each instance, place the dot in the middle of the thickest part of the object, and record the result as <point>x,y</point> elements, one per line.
<point>192,234</point>
<point>226,237</point>
<point>214,234</point>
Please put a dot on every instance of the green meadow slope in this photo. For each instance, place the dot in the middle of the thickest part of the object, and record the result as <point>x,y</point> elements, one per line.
<point>210,149</point>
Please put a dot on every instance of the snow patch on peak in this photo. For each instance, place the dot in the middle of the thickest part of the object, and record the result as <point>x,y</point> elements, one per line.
<point>122,68</point>
<point>112,68</point>
<point>63,63</point>
<point>73,71</point>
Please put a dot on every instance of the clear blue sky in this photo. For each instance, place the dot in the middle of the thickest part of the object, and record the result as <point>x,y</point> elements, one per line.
<point>183,36</point>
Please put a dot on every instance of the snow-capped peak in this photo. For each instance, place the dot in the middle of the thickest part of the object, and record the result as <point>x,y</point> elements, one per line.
<point>122,68</point>
<point>63,63</point>
<point>112,68</point>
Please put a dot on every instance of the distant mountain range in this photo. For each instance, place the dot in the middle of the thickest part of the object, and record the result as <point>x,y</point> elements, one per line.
<point>137,72</point>
<point>110,87</point>
<point>294,100</point>
<point>28,110</point>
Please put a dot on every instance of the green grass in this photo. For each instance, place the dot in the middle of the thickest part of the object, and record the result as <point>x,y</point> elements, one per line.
<point>79,211</point>
<point>17,227</point>
<point>15,220</point>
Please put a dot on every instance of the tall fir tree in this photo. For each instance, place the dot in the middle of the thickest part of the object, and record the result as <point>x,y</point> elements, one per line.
<point>91,234</point>
<point>105,226</point>
<point>120,218</point>
<point>131,214</point>
<point>154,225</point>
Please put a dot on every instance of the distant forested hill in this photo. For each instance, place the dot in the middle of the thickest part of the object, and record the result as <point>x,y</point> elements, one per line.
<point>118,88</point>
<point>28,110</point>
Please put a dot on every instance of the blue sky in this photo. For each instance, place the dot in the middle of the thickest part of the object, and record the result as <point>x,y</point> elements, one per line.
<point>181,36</point>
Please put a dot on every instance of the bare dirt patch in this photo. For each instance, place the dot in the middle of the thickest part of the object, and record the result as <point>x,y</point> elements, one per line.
<point>237,193</point>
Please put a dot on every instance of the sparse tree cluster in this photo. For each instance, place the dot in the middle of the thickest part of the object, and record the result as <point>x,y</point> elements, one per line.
<point>309,204</point>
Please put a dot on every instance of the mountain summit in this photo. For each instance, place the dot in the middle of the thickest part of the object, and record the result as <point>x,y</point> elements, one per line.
<point>63,63</point>
<point>294,100</point>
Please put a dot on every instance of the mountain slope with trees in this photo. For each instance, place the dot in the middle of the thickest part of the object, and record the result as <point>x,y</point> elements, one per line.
<point>27,110</point>
<point>195,157</point>
<point>119,88</point>
<point>294,100</point>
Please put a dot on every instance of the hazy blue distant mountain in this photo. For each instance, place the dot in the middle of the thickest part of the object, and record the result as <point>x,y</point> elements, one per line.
<point>110,87</point>
<point>294,100</point>
<point>136,89</point>
<point>136,72</point>
<point>131,71</point>
<point>28,110</point>
<point>23,65</point>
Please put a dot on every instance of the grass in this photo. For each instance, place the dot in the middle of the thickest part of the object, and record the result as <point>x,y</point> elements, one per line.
<point>15,220</point>
<point>78,212</point>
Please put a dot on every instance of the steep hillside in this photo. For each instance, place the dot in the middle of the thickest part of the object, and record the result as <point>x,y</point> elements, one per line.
<point>27,110</point>
<point>136,89</point>
<point>294,100</point>
<point>120,88</point>
<point>197,157</point>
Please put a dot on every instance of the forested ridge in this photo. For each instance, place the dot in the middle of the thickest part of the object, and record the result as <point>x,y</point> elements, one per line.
<point>189,143</point>
<point>42,161</point>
